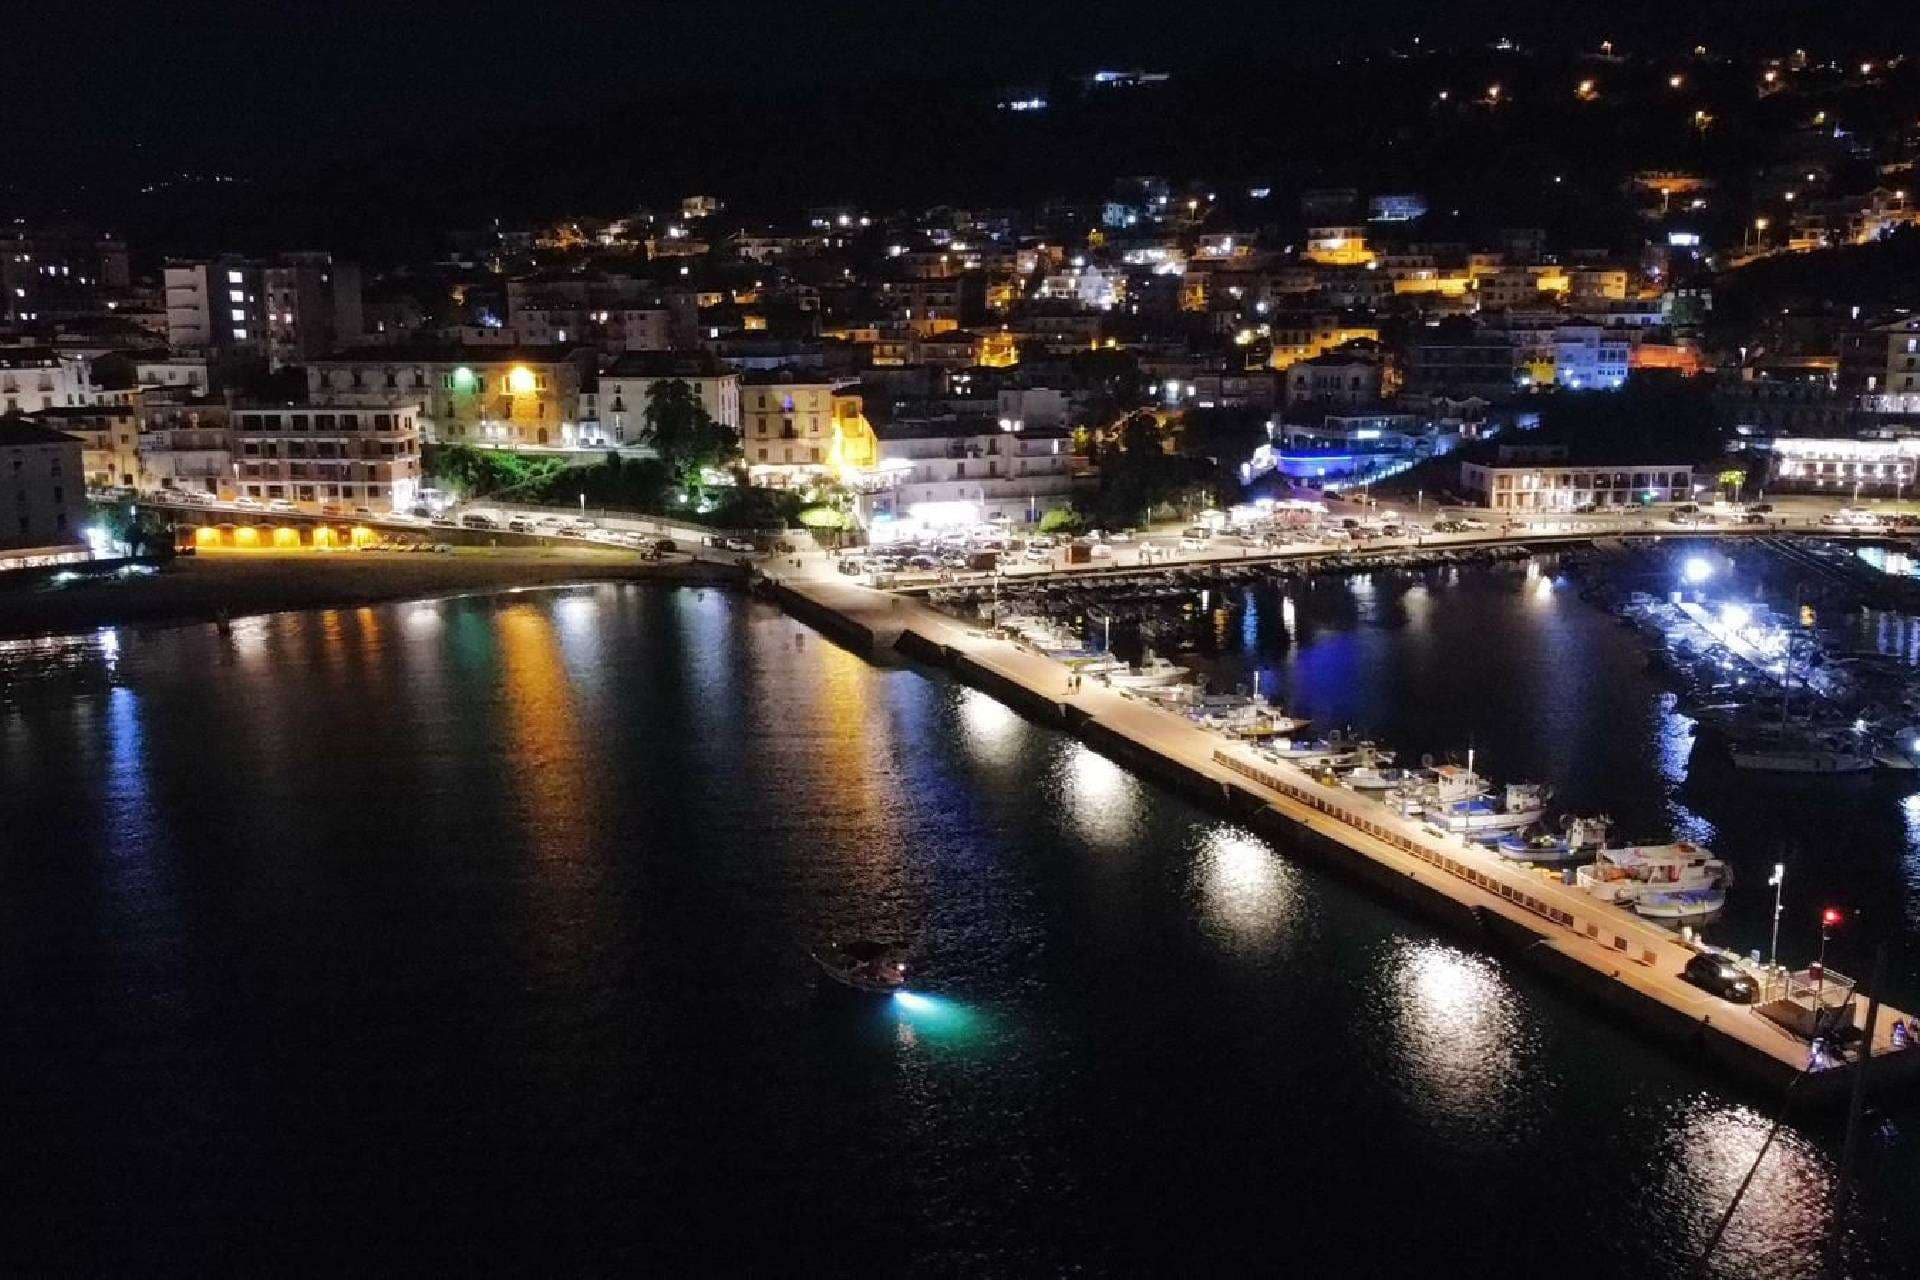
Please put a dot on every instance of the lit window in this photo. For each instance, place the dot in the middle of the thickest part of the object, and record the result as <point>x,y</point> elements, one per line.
<point>238,314</point>
<point>233,277</point>
<point>235,295</point>
<point>240,334</point>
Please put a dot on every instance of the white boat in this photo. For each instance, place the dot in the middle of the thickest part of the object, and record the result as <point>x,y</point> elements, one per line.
<point>1308,752</point>
<point>1154,672</point>
<point>1678,881</point>
<point>1582,838</point>
<point>1522,805</point>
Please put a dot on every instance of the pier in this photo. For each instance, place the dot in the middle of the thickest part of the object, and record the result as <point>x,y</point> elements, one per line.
<point>1631,964</point>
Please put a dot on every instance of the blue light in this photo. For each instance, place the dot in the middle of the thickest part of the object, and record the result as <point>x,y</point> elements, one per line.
<point>912,1001</point>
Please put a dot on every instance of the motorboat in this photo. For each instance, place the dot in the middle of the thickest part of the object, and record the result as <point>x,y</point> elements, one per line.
<point>1251,718</point>
<point>1521,805</point>
<point>1678,881</point>
<point>1578,842</point>
<point>864,965</point>
<point>1154,672</point>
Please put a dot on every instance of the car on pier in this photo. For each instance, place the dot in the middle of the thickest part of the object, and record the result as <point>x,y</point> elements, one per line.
<point>1713,972</point>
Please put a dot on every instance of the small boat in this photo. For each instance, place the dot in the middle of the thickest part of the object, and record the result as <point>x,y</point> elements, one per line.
<point>1522,805</point>
<point>1154,672</point>
<point>864,965</point>
<point>1678,881</point>
<point>1580,840</point>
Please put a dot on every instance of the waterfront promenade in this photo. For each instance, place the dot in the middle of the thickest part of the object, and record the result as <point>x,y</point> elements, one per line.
<point>1630,963</point>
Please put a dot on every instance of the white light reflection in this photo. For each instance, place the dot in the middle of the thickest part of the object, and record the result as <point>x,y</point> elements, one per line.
<point>1910,859</point>
<point>1457,1028</point>
<point>1246,892</point>
<point>1101,797</point>
<point>1784,1214</point>
<point>991,726</point>
<point>1289,620</point>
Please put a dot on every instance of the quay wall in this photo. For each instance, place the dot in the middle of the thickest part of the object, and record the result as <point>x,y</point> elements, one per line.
<point>1310,829</point>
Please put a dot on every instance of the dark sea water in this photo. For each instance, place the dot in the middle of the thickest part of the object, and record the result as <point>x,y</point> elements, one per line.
<point>471,934</point>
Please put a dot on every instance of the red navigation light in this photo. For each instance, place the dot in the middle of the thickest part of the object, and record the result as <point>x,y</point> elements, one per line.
<point>1830,917</point>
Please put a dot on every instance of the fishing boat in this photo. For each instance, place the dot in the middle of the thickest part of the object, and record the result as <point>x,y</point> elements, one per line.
<point>1154,672</point>
<point>1369,771</point>
<point>1521,805</point>
<point>864,965</point>
<point>1578,842</point>
<point>1678,881</point>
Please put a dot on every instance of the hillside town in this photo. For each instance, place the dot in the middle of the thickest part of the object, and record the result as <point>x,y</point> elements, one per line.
<point>880,368</point>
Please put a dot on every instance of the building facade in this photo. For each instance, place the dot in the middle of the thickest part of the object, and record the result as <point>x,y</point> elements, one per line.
<point>627,382</point>
<point>793,429</point>
<point>500,397</point>
<point>43,500</point>
<point>326,457</point>
<point>967,471</point>
<point>1560,486</point>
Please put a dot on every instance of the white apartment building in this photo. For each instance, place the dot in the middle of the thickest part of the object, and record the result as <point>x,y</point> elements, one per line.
<point>626,384</point>
<point>37,378</point>
<point>970,470</point>
<point>1590,357</point>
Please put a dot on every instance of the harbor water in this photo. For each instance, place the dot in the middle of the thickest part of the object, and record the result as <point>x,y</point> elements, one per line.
<point>473,933</point>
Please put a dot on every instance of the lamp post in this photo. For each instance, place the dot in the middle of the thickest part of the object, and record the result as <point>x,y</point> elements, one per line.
<point>1778,881</point>
<point>1828,918</point>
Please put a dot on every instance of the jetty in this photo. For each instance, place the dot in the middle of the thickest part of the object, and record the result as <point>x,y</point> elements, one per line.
<point>1628,963</point>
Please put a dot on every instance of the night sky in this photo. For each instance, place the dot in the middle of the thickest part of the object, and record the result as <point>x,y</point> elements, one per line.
<point>253,84</point>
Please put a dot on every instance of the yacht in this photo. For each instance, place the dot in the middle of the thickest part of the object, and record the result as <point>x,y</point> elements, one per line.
<point>1678,881</point>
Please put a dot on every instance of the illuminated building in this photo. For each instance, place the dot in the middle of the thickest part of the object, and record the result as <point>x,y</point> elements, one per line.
<point>795,428</point>
<point>319,457</point>
<point>964,470</point>
<point>1346,378</point>
<point>1843,465</point>
<point>626,384</point>
<point>998,350</point>
<point>35,378</point>
<point>1338,246</point>
<point>1298,337</point>
<point>290,308</point>
<point>109,437</point>
<point>1881,358</point>
<point>1512,484</point>
<point>511,397</point>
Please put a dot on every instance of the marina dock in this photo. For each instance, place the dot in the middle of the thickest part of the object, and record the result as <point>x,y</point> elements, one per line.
<point>1631,964</point>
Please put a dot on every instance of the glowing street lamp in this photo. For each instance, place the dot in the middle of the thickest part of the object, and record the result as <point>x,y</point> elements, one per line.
<point>1778,880</point>
<point>1829,920</point>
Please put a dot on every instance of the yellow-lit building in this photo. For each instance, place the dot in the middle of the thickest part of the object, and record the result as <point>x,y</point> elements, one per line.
<point>1303,337</point>
<point>796,428</point>
<point>998,349</point>
<point>1338,246</point>
<point>508,397</point>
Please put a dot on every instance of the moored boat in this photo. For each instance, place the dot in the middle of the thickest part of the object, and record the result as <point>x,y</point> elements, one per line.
<point>1678,881</point>
<point>1580,840</point>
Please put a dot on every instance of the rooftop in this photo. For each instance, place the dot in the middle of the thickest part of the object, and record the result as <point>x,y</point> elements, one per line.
<point>17,431</point>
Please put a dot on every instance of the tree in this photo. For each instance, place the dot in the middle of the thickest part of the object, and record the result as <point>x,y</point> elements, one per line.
<point>685,436</point>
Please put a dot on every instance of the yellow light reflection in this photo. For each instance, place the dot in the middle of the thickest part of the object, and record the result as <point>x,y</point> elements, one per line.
<point>286,537</point>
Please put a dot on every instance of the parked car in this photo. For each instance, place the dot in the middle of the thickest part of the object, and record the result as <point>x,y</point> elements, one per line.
<point>199,497</point>
<point>280,504</point>
<point>519,524</point>
<point>474,520</point>
<point>443,522</point>
<point>366,513</point>
<point>1714,973</point>
<point>742,544</point>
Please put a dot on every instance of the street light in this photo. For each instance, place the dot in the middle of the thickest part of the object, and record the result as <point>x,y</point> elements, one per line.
<point>1828,919</point>
<point>1778,881</point>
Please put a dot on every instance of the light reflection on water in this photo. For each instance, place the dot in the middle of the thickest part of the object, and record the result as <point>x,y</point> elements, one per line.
<point>1102,799</point>
<point>1709,1147</point>
<point>1246,893</point>
<point>1457,1032</point>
